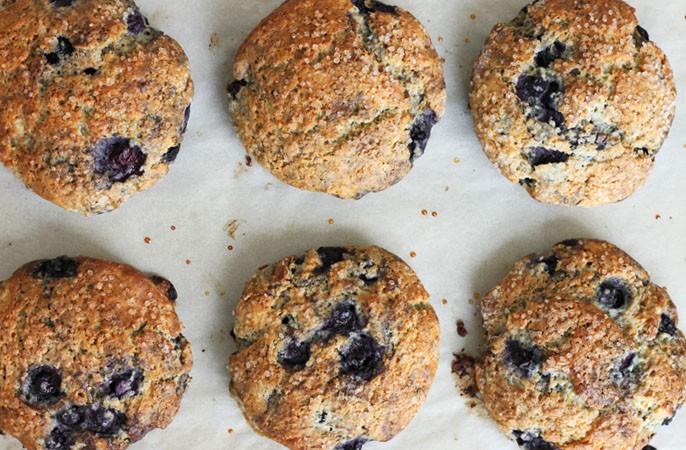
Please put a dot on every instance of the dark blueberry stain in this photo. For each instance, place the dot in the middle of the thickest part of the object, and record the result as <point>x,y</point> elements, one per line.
<point>60,267</point>
<point>104,421</point>
<point>644,150</point>
<point>171,154</point>
<point>523,359</point>
<point>61,3</point>
<point>531,441</point>
<point>575,72</point>
<point>362,358</point>
<point>179,342</point>
<point>124,384</point>
<point>549,54</point>
<point>550,263</point>
<point>421,132</point>
<point>343,320</point>
<point>235,87</point>
<point>64,49</point>
<point>667,325</point>
<point>182,384</point>
<point>571,243</point>
<point>118,158</point>
<point>624,372</point>
<point>538,156</point>
<point>294,355</point>
<point>42,386</point>
<point>370,6</point>
<point>171,290</point>
<point>640,36</point>
<point>186,118</point>
<point>321,416</point>
<point>353,444</point>
<point>136,23</point>
<point>613,293</point>
<point>90,71</point>
<point>541,93</point>
<point>330,256</point>
<point>649,447</point>
<point>59,439</point>
<point>667,421</point>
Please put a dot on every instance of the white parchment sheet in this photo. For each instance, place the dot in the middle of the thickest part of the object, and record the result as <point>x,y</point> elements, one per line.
<point>214,220</point>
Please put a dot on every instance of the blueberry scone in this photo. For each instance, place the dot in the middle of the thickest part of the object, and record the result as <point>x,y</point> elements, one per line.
<point>337,96</point>
<point>336,348</point>
<point>92,355</point>
<point>572,100</point>
<point>583,351</point>
<point>93,101</point>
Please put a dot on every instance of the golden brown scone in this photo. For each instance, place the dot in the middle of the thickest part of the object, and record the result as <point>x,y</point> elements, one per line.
<point>92,355</point>
<point>584,352</point>
<point>573,101</point>
<point>337,96</point>
<point>93,101</point>
<point>337,348</point>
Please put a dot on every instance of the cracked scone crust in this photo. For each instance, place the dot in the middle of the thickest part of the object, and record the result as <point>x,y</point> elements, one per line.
<point>573,101</point>
<point>336,348</point>
<point>583,351</point>
<point>337,96</point>
<point>93,101</point>
<point>92,355</point>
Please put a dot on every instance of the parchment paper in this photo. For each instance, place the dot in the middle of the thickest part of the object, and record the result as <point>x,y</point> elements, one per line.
<point>483,222</point>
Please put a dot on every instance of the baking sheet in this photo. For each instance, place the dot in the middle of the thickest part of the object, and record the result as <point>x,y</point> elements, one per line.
<point>214,220</point>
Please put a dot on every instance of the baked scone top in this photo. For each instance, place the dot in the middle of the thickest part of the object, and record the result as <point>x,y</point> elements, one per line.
<point>337,96</point>
<point>573,101</point>
<point>583,351</point>
<point>92,354</point>
<point>337,348</point>
<point>93,101</point>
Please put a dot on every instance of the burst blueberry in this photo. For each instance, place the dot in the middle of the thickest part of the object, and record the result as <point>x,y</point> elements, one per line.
<point>235,87</point>
<point>330,256</point>
<point>532,441</point>
<point>136,23</point>
<point>362,357</point>
<point>104,421</point>
<point>72,416</point>
<point>421,132</point>
<point>549,54</point>
<point>42,386</point>
<point>294,355</point>
<point>60,267</point>
<point>124,384</point>
<point>343,320</point>
<point>613,294</point>
<point>118,158</point>
<point>59,439</point>
<point>550,263</point>
<point>369,6</point>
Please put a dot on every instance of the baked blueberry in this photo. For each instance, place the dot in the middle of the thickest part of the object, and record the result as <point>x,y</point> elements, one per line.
<point>531,441</point>
<point>59,439</point>
<point>72,416</point>
<point>330,256</point>
<point>294,355</point>
<point>124,384</point>
<point>369,6</point>
<point>362,357</point>
<point>640,36</point>
<point>421,132</point>
<point>353,444</point>
<point>550,263</point>
<point>166,286</point>
<point>667,325</point>
<point>343,320</point>
<point>60,267</point>
<point>549,54</point>
<point>42,386</point>
<point>118,158</point>
<point>613,293</point>
<point>136,23</point>
<point>522,358</point>
<point>186,118</point>
<point>235,87</point>
<point>104,421</point>
<point>538,156</point>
